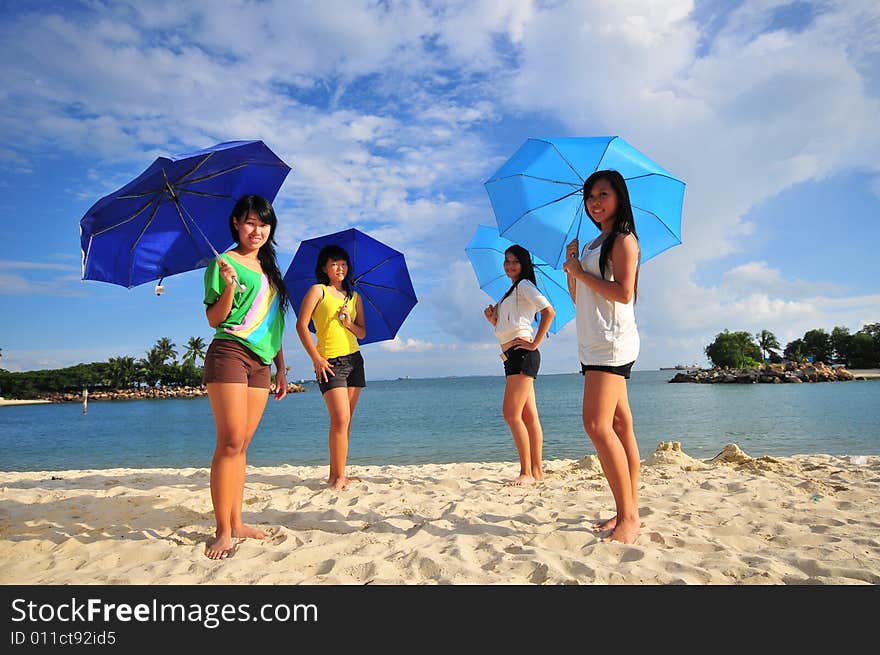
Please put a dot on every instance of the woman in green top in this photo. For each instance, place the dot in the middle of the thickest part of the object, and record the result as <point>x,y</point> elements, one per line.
<point>245,300</point>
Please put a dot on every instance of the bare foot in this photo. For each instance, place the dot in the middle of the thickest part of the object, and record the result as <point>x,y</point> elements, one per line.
<point>338,484</point>
<point>219,548</point>
<point>247,532</point>
<point>538,475</point>
<point>627,531</point>
<point>522,481</point>
<point>610,524</point>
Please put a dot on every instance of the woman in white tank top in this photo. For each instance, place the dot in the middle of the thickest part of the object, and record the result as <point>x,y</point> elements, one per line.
<point>603,285</point>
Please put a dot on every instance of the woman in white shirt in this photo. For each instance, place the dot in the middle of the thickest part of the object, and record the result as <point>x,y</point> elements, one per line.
<point>603,283</point>
<point>512,318</point>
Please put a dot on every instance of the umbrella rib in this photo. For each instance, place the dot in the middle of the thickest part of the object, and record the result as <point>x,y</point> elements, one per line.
<point>136,241</point>
<point>210,176</point>
<point>569,164</point>
<point>536,178</point>
<point>546,204</point>
<point>659,220</point>
<point>133,216</point>
<point>373,285</point>
<point>378,311</point>
<point>373,268</point>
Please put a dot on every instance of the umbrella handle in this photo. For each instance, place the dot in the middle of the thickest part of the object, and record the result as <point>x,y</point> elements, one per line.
<point>241,286</point>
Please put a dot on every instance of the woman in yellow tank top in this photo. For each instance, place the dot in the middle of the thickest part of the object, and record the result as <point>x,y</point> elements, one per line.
<point>338,314</point>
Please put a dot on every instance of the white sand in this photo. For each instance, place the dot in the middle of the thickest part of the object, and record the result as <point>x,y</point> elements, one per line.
<point>737,520</point>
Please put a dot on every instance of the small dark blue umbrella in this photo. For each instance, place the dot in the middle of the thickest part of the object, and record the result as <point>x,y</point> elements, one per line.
<point>378,274</point>
<point>174,217</point>
<point>486,254</point>
<point>538,198</point>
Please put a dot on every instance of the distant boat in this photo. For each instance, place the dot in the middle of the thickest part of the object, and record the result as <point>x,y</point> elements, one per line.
<point>680,367</point>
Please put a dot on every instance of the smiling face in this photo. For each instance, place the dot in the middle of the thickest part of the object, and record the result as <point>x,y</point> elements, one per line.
<point>601,203</point>
<point>252,232</point>
<point>512,266</point>
<point>336,270</point>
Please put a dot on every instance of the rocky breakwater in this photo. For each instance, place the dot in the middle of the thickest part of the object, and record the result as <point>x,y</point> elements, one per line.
<point>143,393</point>
<point>767,374</point>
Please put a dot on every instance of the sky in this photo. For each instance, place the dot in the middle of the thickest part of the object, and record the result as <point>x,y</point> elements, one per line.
<point>392,115</point>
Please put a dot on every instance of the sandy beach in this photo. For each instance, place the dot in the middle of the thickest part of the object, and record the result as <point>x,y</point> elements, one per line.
<point>808,519</point>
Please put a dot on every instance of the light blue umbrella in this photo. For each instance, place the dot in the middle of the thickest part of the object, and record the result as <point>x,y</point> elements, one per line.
<point>538,199</point>
<point>486,254</point>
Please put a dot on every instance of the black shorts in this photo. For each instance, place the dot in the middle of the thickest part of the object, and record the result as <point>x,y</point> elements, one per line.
<point>520,360</point>
<point>623,370</point>
<point>348,371</point>
<point>228,360</point>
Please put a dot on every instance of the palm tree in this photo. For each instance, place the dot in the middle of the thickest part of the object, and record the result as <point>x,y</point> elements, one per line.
<point>195,349</point>
<point>121,371</point>
<point>164,350</point>
<point>767,342</point>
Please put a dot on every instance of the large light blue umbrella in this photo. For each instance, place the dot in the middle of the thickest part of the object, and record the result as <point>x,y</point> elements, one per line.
<point>538,199</point>
<point>174,217</point>
<point>486,254</point>
<point>378,274</point>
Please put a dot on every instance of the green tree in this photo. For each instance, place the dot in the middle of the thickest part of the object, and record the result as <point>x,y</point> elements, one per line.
<point>795,351</point>
<point>165,350</point>
<point>195,350</point>
<point>121,372</point>
<point>733,350</point>
<point>767,342</point>
<point>841,343</point>
<point>863,350</point>
<point>817,344</point>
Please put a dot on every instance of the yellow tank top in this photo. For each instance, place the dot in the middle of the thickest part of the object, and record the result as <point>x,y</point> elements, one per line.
<point>333,339</point>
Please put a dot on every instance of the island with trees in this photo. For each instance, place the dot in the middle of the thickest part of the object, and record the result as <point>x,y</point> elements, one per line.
<point>741,357</point>
<point>159,374</point>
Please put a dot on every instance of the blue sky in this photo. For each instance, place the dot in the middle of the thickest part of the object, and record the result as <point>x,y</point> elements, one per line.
<point>393,114</point>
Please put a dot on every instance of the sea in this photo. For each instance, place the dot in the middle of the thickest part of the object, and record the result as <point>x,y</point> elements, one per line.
<point>445,420</point>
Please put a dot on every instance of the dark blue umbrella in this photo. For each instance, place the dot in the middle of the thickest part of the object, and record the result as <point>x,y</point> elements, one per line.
<point>378,274</point>
<point>174,217</point>
<point>486,253</point>
<point>538,199</point>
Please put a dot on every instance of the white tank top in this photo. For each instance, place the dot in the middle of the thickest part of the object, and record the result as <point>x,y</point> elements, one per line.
<point>606,330</point>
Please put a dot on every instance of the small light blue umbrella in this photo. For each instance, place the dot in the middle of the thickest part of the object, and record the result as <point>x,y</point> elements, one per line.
<point>486,254</point>
<point>538,200</point>
<point>378,274</point>
<point>174,217</point>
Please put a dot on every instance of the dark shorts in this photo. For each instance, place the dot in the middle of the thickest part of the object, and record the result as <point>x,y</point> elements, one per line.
<point>348,371</point>
<point>231,361</point>
<point>623,370</point>
<point>522,361</point>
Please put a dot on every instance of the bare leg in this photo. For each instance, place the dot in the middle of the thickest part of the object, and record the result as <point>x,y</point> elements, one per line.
<point>256,404</point>
<point>341,402</point>
<point>536,435</point>
<point>229,405</point>
<point>516,395</point>
<point>602,392</point>
<point>623,428</point>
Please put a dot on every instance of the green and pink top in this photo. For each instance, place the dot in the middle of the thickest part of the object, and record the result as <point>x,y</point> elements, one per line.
<point>256,320</point>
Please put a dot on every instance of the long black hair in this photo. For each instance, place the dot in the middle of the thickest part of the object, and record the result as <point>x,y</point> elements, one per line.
<point>527,268</point>
<point>624,223</point>
<point>334,253</point>
<point>263,210</point>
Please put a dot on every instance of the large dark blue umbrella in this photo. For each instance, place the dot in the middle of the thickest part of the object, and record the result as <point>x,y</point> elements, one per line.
<point>174,217</point>
<point>486,254</point>
<point>538,199</point>
<point>378,274</point>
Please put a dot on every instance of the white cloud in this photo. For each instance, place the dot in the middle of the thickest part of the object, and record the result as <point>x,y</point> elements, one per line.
<point>398,345</point>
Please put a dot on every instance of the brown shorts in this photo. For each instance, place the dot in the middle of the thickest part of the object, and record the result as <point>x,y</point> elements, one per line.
<point>231,361</point>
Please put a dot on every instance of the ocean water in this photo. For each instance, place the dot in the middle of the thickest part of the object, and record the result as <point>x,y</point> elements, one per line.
<point>417,421</point>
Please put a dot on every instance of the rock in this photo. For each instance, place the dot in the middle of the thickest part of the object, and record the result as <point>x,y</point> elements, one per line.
<point>731,454</point>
